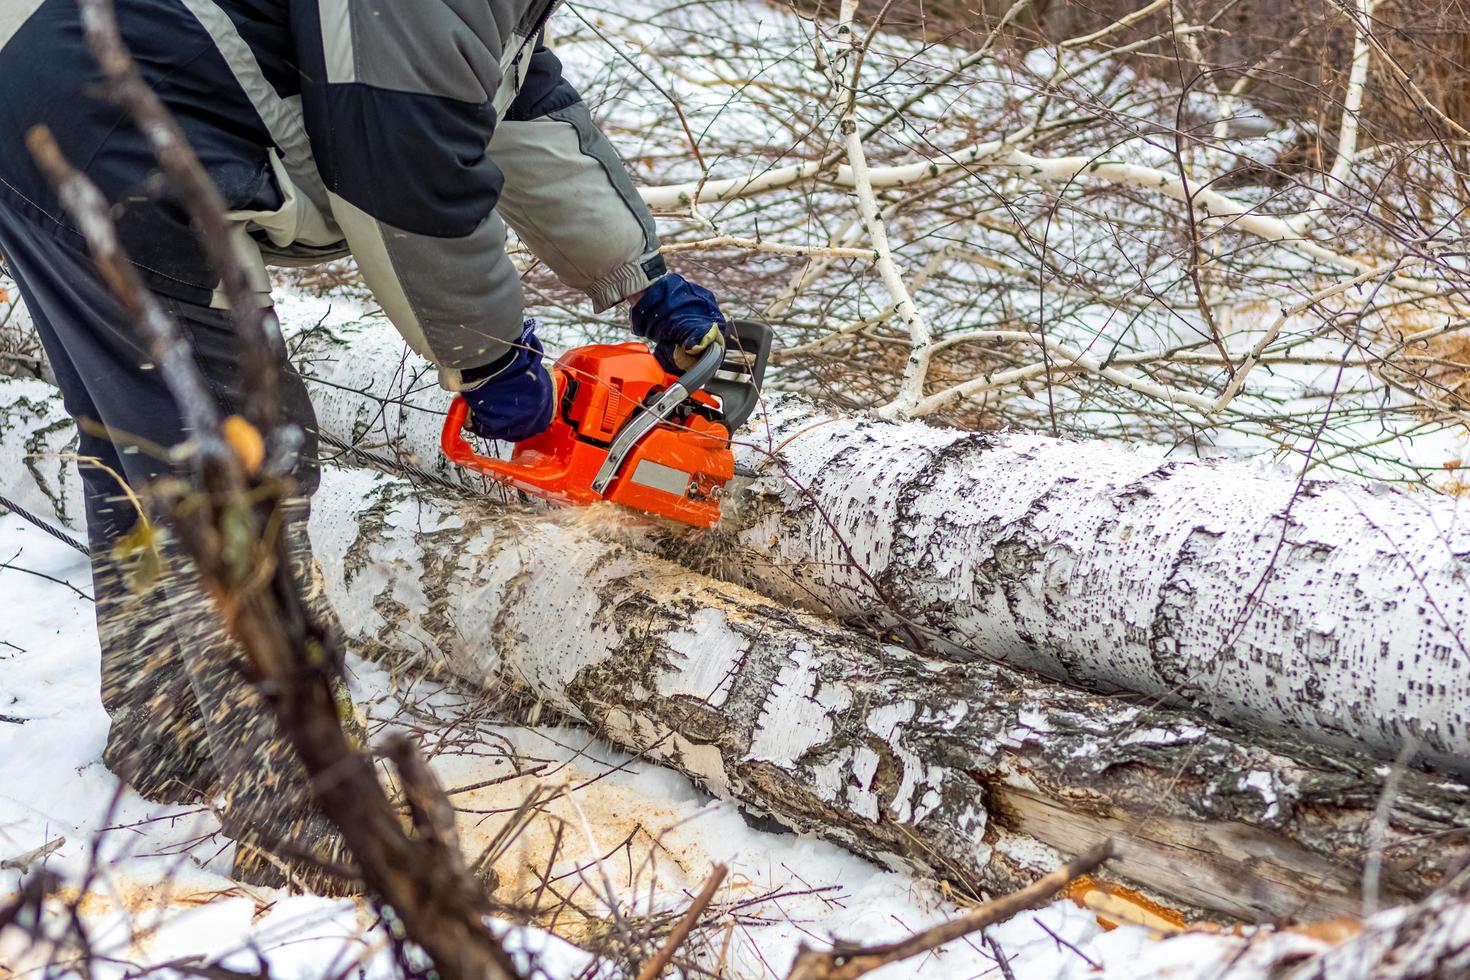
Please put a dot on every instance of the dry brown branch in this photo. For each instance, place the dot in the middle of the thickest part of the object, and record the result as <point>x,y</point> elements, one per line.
<point>296,660</point>
<point>846,962</point>
<point>227,517</point>
<point>655,967</point>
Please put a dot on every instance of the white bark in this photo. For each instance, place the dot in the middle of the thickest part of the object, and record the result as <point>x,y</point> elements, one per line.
<point>911,389</point>
<point>959,771</point>
<point>1333,608</point>
<point>38,443</point>
<point>1429,941</point>
<point>1330,608</point>
<point>929,767</point>
<point>1352,103</point>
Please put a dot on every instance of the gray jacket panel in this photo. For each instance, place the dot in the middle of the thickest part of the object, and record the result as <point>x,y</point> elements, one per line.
<point>446,48</point>
<point>562,174</point>
<point>475,123</point>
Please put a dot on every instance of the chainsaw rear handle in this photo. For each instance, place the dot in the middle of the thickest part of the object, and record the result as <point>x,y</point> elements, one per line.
<point>738,382</point>
<point>458,449</point>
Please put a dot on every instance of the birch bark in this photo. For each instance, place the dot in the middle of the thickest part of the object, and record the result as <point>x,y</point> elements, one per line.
<point>941,769</point>
<point>1428,941</point>
<point>977,772</point>
<point>1333,609</point>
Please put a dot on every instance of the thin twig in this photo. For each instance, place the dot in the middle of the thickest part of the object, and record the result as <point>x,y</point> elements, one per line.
<point>847,963</point>
<point>655,967</point>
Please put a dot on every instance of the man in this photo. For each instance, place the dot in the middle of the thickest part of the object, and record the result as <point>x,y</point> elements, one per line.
<point>406,132</point>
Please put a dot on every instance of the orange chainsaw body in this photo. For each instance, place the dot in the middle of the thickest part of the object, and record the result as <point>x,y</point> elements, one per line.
<point>676,470</point>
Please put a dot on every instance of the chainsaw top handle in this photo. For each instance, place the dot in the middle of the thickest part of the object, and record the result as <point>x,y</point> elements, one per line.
<point>702,371</point>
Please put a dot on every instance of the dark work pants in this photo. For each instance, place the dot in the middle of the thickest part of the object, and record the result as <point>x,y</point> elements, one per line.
<point>184,719</point>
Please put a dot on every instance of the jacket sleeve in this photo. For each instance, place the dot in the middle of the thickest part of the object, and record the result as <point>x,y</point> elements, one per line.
<point>398,100</point>
<point>567,194</point>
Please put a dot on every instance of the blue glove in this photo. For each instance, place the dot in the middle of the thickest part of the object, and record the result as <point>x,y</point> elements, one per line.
<point>681,318</point>
<point>513,398</point>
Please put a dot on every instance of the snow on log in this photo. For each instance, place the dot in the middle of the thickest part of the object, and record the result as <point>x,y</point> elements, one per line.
<point>1333,609</point>
<point>957,770</point>
<point>1427,941</point>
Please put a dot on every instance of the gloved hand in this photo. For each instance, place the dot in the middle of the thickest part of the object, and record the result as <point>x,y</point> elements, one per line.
<point>513,398</point>
<point>681,318</point>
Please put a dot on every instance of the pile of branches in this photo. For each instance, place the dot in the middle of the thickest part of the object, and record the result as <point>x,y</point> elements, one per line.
<point>1127,231</point>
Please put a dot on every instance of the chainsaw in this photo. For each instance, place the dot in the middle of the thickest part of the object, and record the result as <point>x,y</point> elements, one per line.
<point>626,430</point>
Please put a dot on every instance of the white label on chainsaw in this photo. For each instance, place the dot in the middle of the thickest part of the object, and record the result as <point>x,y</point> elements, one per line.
<point>660,477</point>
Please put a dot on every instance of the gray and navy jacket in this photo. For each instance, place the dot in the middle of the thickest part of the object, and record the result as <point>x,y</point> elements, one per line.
<point>408,132</point>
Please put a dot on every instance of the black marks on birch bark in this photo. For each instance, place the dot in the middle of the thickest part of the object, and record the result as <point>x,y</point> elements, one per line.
<point>1168,633</point>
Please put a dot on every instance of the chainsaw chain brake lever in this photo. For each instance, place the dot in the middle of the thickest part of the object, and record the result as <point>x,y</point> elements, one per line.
<point>649,416</point>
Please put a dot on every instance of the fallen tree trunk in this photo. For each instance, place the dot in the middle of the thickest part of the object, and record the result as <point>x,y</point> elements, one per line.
<point>954,770</point>
<point>887,752</point>
<point>1332,609</point>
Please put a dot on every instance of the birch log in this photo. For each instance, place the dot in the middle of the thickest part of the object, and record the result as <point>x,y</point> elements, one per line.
<point>970,772</point>
<point>38,444</point>
<point>941,768</point>
<point>1332,609</point>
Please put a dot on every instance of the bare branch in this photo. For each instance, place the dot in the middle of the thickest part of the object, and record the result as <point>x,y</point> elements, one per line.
<point>849,962</point>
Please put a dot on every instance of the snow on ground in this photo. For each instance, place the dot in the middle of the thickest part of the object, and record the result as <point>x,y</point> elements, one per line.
<point>160,892</point>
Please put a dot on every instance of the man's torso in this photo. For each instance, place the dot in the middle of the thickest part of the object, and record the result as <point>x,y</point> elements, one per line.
<point>227,70</point>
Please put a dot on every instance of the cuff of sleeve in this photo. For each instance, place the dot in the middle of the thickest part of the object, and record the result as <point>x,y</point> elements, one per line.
<point>467,377</point>
<point>626,280</point>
